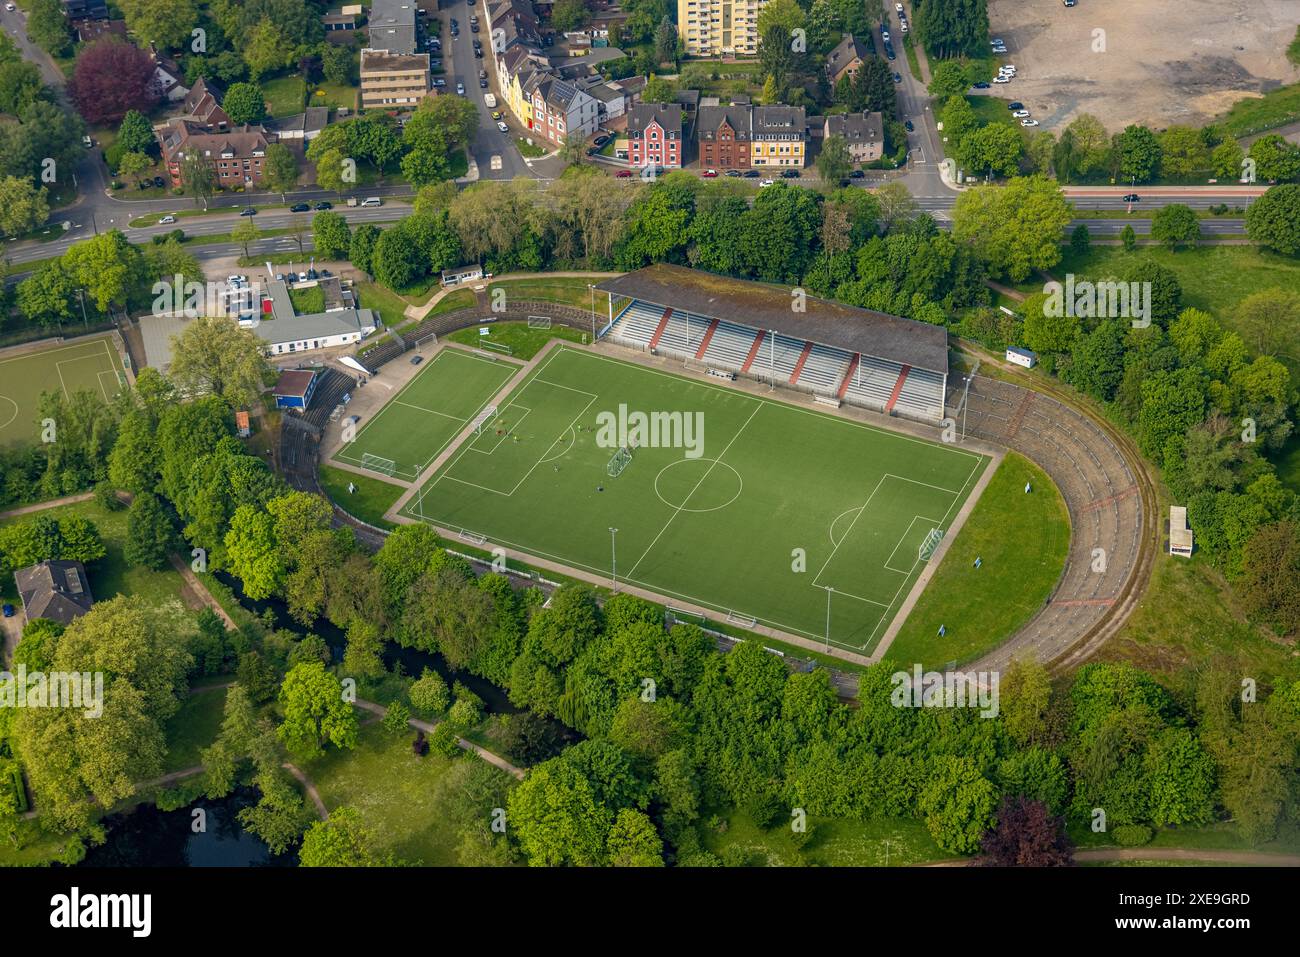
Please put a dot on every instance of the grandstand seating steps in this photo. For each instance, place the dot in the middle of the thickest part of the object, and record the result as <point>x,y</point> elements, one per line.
<point>823,372</point>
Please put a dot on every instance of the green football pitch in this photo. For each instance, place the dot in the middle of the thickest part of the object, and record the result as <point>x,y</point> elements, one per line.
<point>413,428</point>
<point>785,516</point>
<point>90,365</point>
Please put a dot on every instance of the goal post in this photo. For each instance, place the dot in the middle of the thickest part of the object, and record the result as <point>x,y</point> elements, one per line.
<point>377,463</point>
<point>930,545</point>
<point>432,337</point>
<point>621,460</point>
<point>539,322</point>
<point>500,347</point>
<point>484,419</point>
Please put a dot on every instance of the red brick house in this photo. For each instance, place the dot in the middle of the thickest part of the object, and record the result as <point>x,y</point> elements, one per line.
<point>654,133</point>
<point>724,134</point>
<point>235,156</point>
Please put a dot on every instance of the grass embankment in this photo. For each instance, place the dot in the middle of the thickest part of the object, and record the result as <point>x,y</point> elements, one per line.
<point>372,498</point>
<point>1022,541</point>
<point>523,342</point>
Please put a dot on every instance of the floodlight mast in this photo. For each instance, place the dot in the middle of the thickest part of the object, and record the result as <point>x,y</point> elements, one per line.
<point>613,560</point>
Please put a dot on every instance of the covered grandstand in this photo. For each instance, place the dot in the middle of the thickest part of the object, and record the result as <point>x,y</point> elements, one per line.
<point>839,353</point>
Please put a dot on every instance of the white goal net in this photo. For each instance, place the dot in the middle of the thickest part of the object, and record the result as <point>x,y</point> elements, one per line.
<point>484,419</point>
<point>377,463</point>
<point>930,545</point>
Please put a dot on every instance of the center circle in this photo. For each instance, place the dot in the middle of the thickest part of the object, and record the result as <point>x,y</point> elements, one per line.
<point>707,484</point>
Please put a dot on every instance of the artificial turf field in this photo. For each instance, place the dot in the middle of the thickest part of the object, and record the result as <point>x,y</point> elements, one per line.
<point>430,410</point>
<point>90,365</point>
<point>723,530</point>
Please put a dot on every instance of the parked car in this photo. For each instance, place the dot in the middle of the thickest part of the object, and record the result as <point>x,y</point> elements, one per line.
<point>473,28</point>
<point>236,280</point>
<point>733,172</point>
<point>502,127</point>
<point>299,208</point>
<point>460,89</point>
<point>907,125</point>
<point>751,174</point>
<point>478,53</point>
<point>1132,198</point>
<point>482,84</point>
<point>324,204</point>
<point>8,608</point>
<point>1002,79</point>
<point>982,85</point>
<point>416,360</point>
<point>623,173</point>
<point>372,201</point>
<point>439,82</point>
<point>1020,114</point>
<point>166,220</point>
<point>898,78</point>
<point>482,74</point>
<point>997,42</point>
<point>765,182</point>
<point>1015,105</point>
<point>709,173</point>
<point>248,211</point>
<point>1028,122</point>
<point>999,50</point>
<point>601,140</point>
<point>159,182</point>
<point>789,174</point>
<point>496,114</point>
<point>857,174</point>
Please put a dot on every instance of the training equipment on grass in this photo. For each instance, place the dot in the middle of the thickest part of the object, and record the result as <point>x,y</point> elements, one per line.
<point>377,463</point>
<point>539,322</point>
<point>496,347</point>
<point>473,538</point>
<point>622,458</point>
<point>928,547</point>
<point>734,618</point>
<point>484,419</point>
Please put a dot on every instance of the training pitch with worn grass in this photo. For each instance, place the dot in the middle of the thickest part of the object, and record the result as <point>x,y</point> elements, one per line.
<point>784,513</point>
<point>89,365</point>
<point>420,421</point>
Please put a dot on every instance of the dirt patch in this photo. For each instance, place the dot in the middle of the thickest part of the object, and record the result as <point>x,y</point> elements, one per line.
<point>1154,62</point>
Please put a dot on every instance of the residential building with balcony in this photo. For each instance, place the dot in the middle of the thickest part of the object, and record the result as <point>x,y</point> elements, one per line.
<point>719,27</point>
<point>390,79</point>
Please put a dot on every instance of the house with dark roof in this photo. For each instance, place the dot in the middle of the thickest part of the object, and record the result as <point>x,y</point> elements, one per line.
<point>202,105</point>
<point>559,109</point>
<point>864,132</point>
<point>168,78</point>
<point>294,388</point>
<point>846,59</point>
<point>654,132</point>
<point>85,9</point>
<point>392,25</point>
<point>724,135</point>
<point>235,156</point>
<point>779,135</point>
<point>57,590</point>
<point>88,31</point>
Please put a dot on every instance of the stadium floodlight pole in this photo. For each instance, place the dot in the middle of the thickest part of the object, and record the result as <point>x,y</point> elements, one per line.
<point>829,589</point>
<point>613,561</point>
<point>592,287</point>
<point>772,357</point>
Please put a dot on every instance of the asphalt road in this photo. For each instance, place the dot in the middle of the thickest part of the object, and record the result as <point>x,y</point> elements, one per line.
<point>461,66</point>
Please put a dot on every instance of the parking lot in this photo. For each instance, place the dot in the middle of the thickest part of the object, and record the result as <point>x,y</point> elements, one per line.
<point>1164,61</point>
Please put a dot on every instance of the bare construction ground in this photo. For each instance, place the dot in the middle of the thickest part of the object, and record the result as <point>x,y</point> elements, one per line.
<point>1164,61</point>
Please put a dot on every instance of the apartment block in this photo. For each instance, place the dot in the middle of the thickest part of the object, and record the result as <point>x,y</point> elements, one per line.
<point>719,27</point>
<point>391,79</point>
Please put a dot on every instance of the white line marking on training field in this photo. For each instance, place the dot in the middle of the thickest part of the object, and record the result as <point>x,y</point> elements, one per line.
<point>445,415</point>
<point>707,473</point>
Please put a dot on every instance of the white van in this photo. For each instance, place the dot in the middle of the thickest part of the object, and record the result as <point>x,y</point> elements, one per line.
<point>372,201</point>
<point>490,100</point>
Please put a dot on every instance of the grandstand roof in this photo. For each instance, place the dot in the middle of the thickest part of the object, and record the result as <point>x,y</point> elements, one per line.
<point>761,306</point>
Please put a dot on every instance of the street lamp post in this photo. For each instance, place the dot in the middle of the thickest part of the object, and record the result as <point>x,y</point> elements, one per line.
<point>613,561</point>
